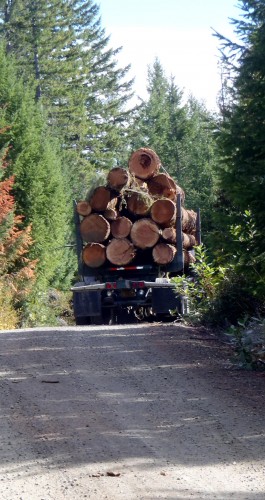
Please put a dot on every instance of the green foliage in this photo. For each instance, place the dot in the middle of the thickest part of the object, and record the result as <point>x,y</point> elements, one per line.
<point>241,141</point>
<point>41,191</point>
<point>183,137</point>
<point>218,296</point>
<point>64,52</point>
<point>47,308</point>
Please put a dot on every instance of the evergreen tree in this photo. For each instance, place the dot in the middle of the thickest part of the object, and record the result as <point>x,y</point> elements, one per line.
<point>183,137</point>
<point>63,47</point>
<point>41,192</point>
<point>242,140</point>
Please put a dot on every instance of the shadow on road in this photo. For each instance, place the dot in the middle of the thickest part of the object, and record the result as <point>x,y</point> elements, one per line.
<point>143,395</point>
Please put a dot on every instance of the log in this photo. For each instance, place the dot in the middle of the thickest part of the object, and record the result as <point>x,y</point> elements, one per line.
<point>83,208</point>
<point>120,251</point>
<point>163,212</point>
<point>121,227</point>
<point>94,228</point>
<point>189,218</point>
<point>94,254</point>
<point>100,199</point>
<point>138,203</point>
<point>118,178</point>
<point>110,214</point>
<point>188,240</point>
<point>189,257</point>
<point>145,233</point>
<point>144,163</point>
<point>169,234</point>
<point>163,253</point>
<point>162,185</point>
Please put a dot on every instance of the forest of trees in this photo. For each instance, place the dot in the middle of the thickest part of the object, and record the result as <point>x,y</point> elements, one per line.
<point>66,118</point>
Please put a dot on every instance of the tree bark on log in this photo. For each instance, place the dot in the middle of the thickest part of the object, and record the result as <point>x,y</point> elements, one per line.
<point>189,257</point>
<point>145,233</point>
<point>163,212</point>
<point>138,203</point>
<point>100,199</point>
<point>162,185</point>
<point>144,163</point>
<point>163,253</point>
<point>121,227</point>
<point>110,214</point>
<point>83,208</point>
<point>120,252</point>
<point>188,240</point>
<point>94,254</point>
<point>189,218</point>
<point>94,228</point>
<point>118,178</point>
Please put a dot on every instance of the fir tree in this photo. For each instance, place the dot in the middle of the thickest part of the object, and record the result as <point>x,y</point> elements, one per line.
<point>65,50</point>
<point>41,192</point>
<point>242,139</point>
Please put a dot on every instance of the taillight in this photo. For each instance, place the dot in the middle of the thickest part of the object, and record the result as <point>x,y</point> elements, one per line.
<point>137,284</point>
<point>110,285</point>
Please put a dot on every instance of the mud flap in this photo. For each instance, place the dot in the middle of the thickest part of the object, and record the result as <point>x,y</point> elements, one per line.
<point>165,300</point>
<point>87,304</point>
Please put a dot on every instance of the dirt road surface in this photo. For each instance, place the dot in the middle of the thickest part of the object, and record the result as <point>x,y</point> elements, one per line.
<point>128,412</point>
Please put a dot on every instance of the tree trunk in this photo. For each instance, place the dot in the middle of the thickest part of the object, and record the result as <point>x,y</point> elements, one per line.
<point>163,212</point>
<point>83,208</point>
<point>94,254</point>
<point>144,163</point>
<point>138,203</point>
<point>94,228</point>
<point>120,251</point>
<point>161,185</point>
<point>118,178</point>
<point>145,233</point>
<point>121,227</point>
<point>163,253</point>
<point>100,199</point>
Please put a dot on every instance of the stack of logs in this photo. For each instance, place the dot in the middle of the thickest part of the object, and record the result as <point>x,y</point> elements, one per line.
<point>135,212</point>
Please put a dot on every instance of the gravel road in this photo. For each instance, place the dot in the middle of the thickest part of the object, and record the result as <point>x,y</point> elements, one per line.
<point>128,412</point>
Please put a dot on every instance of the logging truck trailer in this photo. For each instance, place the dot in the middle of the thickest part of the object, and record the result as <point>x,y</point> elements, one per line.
<point>142,290</point>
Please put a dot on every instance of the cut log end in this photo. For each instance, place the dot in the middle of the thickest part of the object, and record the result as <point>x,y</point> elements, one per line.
<point>144,163</point>
<point>163,253</point>
<point>100,199</point>
<point>94,254</point>
<point>163,212</point>
<point>121,227</point>
<point>118,178</point>
<point>94,229</point>
<point>145,233</point>
<point>83,208</point>
<point>120,252</point>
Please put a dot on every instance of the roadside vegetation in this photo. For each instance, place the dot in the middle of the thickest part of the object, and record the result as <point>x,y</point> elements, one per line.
<point>66,117</point>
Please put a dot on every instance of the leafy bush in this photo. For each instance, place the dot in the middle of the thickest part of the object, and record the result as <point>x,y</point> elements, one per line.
<point>218,296</point>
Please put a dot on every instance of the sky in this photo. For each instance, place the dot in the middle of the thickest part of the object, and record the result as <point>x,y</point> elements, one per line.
<point>179,33</point>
